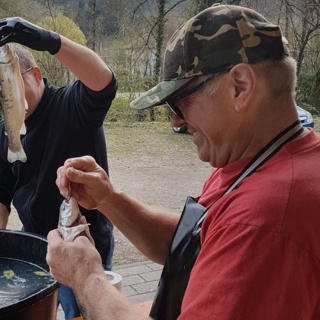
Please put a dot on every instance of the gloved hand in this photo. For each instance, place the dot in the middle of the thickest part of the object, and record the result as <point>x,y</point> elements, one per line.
<point>21,31</point>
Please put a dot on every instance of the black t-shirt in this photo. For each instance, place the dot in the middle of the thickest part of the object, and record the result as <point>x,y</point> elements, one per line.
<point>68,122</point>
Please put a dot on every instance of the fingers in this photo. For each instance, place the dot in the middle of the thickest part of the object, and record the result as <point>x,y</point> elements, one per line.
<point>5,33</point>
<point>3,24</point>
<point>4,40</point>
<point>54,243</point>
<point>65,176</point>
<point>54,237</point>
<point>63,182</point>
<point>67,180</point>
<point>6,27</point>
<point>73,173</point>
<point>87,233</point>
<point>64,258</point>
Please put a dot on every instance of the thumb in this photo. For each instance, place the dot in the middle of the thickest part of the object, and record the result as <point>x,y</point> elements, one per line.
<point>75,175</point>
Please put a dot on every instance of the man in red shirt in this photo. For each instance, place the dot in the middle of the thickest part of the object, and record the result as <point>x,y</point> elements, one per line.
<point>248,248</point>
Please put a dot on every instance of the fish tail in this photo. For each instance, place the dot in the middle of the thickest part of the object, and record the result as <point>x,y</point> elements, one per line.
<point>23,129</point>
<point>16,155</point>
<point>26,107</point>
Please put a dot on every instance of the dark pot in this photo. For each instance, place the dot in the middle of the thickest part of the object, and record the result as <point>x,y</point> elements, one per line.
<point>35,292</point>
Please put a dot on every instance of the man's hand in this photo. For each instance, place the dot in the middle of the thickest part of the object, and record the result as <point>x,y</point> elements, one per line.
<point>86,181</point>
<point>21,31</point>
<point>72,262</point>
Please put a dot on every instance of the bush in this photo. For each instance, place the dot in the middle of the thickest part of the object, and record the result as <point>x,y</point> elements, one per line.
<point>120,111</point>
<point>304,92</point>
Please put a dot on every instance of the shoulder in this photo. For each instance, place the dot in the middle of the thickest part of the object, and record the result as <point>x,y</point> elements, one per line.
<point>109,91</point>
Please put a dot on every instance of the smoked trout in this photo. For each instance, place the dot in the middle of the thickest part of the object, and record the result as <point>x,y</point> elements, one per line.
<point>13,102</point>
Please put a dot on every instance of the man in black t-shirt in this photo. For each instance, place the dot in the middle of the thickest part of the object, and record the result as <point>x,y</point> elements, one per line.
<point>60,123</point>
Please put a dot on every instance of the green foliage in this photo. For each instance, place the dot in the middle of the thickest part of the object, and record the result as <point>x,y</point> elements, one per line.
<point>304,92</point>
<point>316,124</point>
<point>199,5</point>
<point>64,26</point>
<point>315,96</point>
<point>51,68</point>
<point>121,112</point>
<point>27,9</point>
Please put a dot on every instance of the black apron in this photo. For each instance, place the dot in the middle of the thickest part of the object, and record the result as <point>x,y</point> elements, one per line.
<point>185,245</point>
<point>183,253</point>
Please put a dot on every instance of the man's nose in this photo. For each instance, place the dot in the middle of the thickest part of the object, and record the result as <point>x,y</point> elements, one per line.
<point>177,121</point>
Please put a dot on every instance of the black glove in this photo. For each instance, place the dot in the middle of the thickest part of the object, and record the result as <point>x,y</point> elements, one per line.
<point>28,34</point>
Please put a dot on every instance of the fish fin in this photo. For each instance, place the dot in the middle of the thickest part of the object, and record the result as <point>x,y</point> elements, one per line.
<point>14,156</point>
<point>70,233</point>
<point>23,129</point>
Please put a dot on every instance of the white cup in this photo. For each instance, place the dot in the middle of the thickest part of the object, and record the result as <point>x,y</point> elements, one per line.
<point>115,279</point>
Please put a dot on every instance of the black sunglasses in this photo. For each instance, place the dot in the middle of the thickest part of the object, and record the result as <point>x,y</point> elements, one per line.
<point>171,103</point>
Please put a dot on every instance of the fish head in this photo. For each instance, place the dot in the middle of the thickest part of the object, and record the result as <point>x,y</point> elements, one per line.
<point>69,212</point>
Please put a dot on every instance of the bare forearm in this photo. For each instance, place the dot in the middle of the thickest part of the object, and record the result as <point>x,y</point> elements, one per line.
<point>98,300</point>
<point>77,264</point>
<point>148,228</point>
<point>85,64</point>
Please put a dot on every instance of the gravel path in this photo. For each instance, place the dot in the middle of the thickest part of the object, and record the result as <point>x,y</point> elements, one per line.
<point>153,164</point>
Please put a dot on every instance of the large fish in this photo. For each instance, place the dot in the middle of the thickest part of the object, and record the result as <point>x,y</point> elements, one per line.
<point>71,222</point>
<point>13,102</point>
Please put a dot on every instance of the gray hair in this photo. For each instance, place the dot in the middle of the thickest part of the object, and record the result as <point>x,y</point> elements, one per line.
<point>281,76</point>
<point>25,56</point>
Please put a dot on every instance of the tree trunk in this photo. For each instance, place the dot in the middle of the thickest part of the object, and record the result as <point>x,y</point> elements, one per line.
<point>159,43</point>
<point>93,26</point>
<point>315,94</point>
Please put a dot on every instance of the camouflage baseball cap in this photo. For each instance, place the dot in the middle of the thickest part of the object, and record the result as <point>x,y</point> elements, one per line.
<point>214,40</point>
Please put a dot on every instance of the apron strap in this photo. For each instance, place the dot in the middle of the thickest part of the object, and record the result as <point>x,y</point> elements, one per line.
<point>262,156</point>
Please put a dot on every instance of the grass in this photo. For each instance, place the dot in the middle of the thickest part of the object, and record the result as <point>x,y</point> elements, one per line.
<point>317,124</point>
<point>147,138</point>
<point>152,140</point>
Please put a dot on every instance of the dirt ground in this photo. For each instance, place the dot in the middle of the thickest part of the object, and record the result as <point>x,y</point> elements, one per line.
<point>153,164</point>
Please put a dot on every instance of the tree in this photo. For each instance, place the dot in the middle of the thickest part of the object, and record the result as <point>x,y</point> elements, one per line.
<point>93,30</point>
<point>159,44</point>
<point>308,13</point>
<point>19,9</point>
<point>58,74</point>
<point>152,37</point>
<point>303,19</point>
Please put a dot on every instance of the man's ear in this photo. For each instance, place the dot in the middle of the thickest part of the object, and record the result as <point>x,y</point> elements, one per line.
<point>37,73</point>
<point>244,79</point>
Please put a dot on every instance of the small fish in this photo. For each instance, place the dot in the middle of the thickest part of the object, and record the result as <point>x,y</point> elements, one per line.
<point>69,212</point>
<point>70,224</point>
<point>13,102</point>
